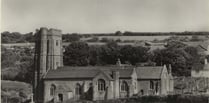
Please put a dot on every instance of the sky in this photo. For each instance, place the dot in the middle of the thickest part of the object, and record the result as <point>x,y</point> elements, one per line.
<point>105,16</point>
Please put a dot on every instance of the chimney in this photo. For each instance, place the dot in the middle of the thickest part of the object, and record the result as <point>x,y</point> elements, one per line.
<point>206,61</point>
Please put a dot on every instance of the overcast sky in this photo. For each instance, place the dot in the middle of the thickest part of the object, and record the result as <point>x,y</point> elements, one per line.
<point>100,16</point>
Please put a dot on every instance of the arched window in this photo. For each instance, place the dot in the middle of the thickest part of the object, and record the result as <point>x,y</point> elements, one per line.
<point>151,85</point>
<point>157,87</point>
<point>78,89</point>
<point>124,86</point>
<point>57,42</point>
<point>101,85</point>
<point>52,90</point>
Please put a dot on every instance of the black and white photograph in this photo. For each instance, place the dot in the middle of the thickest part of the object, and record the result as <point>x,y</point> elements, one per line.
<point>104,51</point>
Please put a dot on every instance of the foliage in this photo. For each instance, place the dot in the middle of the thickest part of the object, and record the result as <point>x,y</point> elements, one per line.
<point>14,91</point>
<point>94,39</point>
<point>94,55</point>
<point>134,54</point>
<point>80,54</point>
<point>16,37</point>
<point>106,40</point>
<point>179,55</point>
<point>17,64</point>
<point>70,37</point>
<point>76,54</point>
<point>195,38</point>
<point>118,33</point>
<point>109,53</point>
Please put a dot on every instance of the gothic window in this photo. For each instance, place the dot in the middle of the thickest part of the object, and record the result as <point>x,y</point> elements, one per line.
<point>57,42</point>
<point>52,90</point>
<point>78,89</point>
<point>157,87</point>
<point>101,85</point>
<point>124,86</point>
<point>151,85</point>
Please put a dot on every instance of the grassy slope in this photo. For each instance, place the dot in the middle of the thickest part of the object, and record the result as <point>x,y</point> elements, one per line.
<point>13,88</point>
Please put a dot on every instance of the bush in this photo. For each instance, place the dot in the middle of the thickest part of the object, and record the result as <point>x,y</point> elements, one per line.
<point>94,39</point>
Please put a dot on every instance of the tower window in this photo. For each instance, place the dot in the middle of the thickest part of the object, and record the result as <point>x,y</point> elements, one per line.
<point>57,42</point>
<point>101,85</point>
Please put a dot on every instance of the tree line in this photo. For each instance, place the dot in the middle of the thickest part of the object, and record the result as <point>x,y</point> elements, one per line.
<point>16,37</point>
<point>181,56</point>
<point>17,64</point>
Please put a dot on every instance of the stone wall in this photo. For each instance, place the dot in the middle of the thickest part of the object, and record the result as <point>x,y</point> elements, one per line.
<point>66,88</point>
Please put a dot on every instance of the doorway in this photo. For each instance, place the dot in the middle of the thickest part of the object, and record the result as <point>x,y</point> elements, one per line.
<point>60,96</point>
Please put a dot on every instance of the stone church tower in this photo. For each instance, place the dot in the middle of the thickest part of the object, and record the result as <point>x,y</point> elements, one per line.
<point>48,55</point>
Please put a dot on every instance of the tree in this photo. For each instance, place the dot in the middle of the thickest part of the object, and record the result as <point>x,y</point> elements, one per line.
<point>94,54</point>
<point>134,54</point>
<point>17,64</point>
<point>175,45</point>
<point>118,33</point>
<point>70,37</point>
<point>110,53</point>
<point>94,39</point>
<point>195,38</point>
<point>180,56</point>
<point>76,54</point>
<point>29,37</point>
<point>8,58</point>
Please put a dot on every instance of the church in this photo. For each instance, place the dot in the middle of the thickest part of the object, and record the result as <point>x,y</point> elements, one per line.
<point>54,82</point>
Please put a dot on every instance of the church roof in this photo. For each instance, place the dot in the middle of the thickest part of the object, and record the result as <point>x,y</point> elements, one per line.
<point>152,72</point>
<point>89,72</point>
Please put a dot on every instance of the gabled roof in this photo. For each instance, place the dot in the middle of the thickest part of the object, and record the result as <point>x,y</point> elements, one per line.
<point>152,72</point>
<point>89,72</point>
<point>124,73</point>
<point>64,73</point>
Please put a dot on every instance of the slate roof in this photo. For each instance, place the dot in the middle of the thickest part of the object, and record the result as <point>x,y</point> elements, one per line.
<point>89,72</point>
<point>152,72</point>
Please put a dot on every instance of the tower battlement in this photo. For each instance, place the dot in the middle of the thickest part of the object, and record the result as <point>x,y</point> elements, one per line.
<point>55,32</point>
<point>49,32</point>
